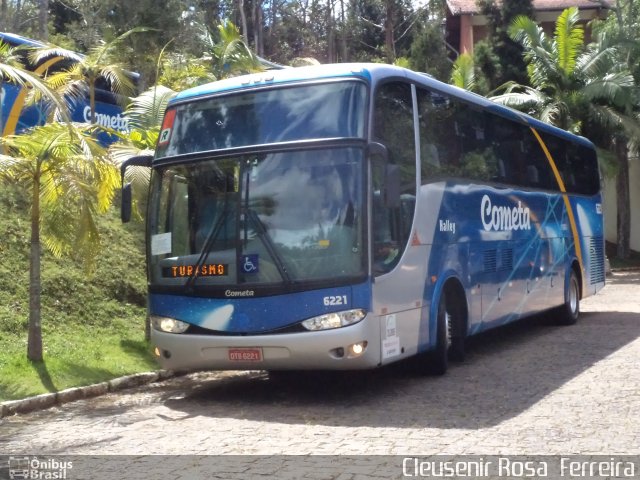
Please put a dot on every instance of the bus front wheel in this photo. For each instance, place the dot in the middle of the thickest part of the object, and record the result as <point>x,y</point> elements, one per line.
<point>437,361</point>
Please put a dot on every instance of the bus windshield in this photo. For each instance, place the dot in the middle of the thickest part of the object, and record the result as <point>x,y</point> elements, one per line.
<point>259,220</point>
<point>328,110</point>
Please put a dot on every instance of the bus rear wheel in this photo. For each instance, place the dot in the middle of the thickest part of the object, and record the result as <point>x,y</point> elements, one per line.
<point>568,313</point>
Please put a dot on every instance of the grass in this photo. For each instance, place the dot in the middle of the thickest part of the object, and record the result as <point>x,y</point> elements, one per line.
<point>92,318</point>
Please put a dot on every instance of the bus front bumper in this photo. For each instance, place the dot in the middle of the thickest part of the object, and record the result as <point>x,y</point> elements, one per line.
<point>354,347</point>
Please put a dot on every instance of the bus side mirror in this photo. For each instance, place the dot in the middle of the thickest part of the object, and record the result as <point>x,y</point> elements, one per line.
<point>391,174</point>
<point>125,205</point>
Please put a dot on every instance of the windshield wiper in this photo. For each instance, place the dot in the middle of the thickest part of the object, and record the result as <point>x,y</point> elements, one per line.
<point>264,237</point>
<point>251,216</point>
<point>208,243</point>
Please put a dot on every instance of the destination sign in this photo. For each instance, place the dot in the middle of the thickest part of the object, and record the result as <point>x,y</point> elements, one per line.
<point>208,270</point>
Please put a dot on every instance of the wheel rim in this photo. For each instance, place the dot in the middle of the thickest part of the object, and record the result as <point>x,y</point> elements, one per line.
<point>448,327</point>
<point>573,297</point>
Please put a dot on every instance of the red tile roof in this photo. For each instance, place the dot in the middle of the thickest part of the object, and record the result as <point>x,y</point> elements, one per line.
<point>458,7</point>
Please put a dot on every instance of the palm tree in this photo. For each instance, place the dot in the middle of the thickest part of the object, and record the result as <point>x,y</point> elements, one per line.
<point>64,168</point>
<point>588,91</point>
<point>231,55</point>
<point>80,79</point>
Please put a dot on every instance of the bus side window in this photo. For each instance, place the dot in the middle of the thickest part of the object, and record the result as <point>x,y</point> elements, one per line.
<point>435,117</point>
<point>393,117</point>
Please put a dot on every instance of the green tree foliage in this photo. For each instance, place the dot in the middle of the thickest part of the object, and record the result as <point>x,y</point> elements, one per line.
<point>231,55</point>
<point>179,72</point>
<point>428,51</point>
<point>463,74</point>
<point>499,57</point>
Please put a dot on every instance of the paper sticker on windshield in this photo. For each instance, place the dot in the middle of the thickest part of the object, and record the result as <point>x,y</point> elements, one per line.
<point>167,126</point>
<point>161,244</point>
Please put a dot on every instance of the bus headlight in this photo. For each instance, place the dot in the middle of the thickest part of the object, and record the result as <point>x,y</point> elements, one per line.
<point>169,325</point>
<point>334,320</point>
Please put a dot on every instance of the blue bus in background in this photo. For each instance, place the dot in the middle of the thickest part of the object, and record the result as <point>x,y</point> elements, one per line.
<point>18,116</point>
<point>349,216</point>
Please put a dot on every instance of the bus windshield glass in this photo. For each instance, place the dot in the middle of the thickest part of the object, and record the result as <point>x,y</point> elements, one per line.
<point>259,220</point>
<point>328,110</point>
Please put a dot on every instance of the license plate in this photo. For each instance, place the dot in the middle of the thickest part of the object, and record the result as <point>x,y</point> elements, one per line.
<point>245,354</point>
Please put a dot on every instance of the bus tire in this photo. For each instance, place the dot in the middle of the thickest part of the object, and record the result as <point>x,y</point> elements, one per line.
<point>568,313</point>
<point>437,361</point>
<point>457,326</point>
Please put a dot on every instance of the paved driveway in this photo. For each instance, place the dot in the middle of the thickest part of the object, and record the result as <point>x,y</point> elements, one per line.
<point>530,388</point>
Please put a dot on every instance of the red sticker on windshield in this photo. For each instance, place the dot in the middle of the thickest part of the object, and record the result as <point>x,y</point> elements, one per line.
<point>167,125</point>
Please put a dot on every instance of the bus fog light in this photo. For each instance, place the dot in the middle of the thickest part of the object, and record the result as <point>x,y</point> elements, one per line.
<point>334,320</point>
<point>357,349</point>
<point>169,325</point>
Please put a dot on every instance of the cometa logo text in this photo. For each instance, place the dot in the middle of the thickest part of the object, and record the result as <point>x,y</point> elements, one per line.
<point>117,122</point>
<point>502,218</point>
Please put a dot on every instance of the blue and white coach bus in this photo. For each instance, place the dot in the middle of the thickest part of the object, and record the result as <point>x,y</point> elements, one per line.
<point>349,216</point>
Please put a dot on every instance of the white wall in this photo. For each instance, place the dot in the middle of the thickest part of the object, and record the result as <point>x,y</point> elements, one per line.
<point>610,209</point>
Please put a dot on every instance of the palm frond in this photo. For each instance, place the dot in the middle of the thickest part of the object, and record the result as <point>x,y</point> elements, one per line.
<point>27,79</point>
<point>615,88</point>
<point>463,74</point>
<point>569,39</point>
<point>146,110</point>
<point>520,97</point>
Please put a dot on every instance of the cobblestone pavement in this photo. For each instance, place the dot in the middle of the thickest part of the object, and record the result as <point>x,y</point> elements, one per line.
<point>530,388</point>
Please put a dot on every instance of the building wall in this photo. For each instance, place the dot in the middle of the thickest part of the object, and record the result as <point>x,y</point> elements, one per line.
<point>610,209</point>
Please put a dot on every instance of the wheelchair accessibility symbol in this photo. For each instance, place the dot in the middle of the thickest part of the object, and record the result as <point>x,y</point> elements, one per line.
<point>250,263</point>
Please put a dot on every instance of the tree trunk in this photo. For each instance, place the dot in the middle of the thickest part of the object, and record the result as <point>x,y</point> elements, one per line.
<point>43,20</point>
<point>243,20</point>
<point>343,34</point>
<point>331,56</point>
<point>623,199</point>
<point>1,117</point>
<point>389,24</point>
<point>257,19</point>
<point>17,16</point>
<point>4,13</point>
<point>92,101</point>
<point>34,342</point>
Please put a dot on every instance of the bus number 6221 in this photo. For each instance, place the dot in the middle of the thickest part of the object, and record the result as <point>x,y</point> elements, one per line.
<point>332,300</point>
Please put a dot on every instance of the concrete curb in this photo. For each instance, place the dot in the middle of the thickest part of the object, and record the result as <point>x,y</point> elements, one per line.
<point>48,400</point>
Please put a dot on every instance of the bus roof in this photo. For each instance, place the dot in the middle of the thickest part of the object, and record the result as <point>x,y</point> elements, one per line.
<point>16,40</point>
<point>370,72</point>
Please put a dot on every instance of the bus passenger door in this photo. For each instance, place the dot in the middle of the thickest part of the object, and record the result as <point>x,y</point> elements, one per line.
<point>398,262</point>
